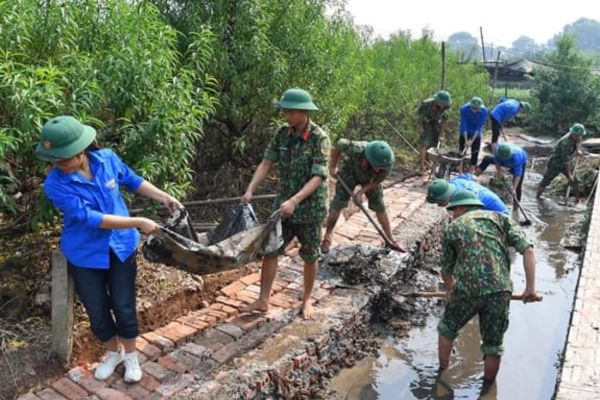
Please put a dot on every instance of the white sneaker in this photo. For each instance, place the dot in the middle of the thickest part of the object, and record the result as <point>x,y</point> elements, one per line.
<point>107,367</point>
<point>133,373</point>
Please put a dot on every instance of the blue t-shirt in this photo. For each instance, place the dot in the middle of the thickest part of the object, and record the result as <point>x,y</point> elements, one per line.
<point>517,161</point>
<point>506,110</point>
<point>472,122</point>
<point>491,202</point>
<point>83,204</point>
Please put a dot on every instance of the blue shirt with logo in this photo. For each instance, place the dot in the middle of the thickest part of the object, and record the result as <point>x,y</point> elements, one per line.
<point>472,122</point>
<point>83,203</point>
<point>517,161</point>
<point>490,200</point>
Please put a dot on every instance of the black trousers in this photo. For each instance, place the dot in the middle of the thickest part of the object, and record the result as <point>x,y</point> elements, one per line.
<point>474,148</point>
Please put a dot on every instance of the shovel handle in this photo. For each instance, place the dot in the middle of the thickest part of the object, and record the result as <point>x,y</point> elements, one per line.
<point>514,296</point>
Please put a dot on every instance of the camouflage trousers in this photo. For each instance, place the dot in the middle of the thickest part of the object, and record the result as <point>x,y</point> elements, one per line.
<point>552,171</point>
<point>309,236</point>
<point>493,319</point>
<point>430,135</point>
<point>341,198</point>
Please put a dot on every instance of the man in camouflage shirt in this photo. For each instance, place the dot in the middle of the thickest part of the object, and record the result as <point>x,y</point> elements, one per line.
<point>301,149</point>
<point>476,270</point>
<point>366,164</point>
<point>561,158</point>
<point>432,122</point>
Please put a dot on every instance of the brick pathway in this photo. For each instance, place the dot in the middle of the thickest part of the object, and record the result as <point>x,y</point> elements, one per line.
<point>580,375</point>
<point>186,350</point>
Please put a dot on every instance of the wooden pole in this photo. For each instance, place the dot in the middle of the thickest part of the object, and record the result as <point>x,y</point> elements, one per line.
<point>210,201</point>
<point>443,65</point>
<point>482,45</point>
<point>63,295</point>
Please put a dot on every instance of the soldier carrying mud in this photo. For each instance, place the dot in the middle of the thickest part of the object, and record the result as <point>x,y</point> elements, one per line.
<point>301,148</point>
<point>475,267</point>
<point>432,123</point>
<point>364,164</point>
<point>560,159</point>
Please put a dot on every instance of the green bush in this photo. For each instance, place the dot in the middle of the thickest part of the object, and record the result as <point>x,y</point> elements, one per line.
<point>113,64</point>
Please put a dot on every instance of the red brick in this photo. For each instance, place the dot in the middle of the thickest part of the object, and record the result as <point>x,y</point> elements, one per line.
<point>246,299</point>
<point>160,341</point>
<point>250,279</point>
<point>209,319</point>
<point>69,389</point>
<point>28,396</point>
<point>263,381</point>
<point>156,370</point>
<point>49,394</point>
<point>248,321</point>
<point>214,340</point>
<point>247,293</point>
<point>176,332</point>
<point>232,289</point>
<point>175,385</point>
<point>112,394</point>
<point>253,289</point>
<point>137,392</point>
<point>193,321</point>
<point>300,360</point>
<point>279,301</point>
<point>172,364</point>
<point>85,379</point>
<point>231,311</point>
<point>196,350</point>
<point>144,347</point>
<point>229,301</point>
<point>278,286</point>
<point>219,315</point>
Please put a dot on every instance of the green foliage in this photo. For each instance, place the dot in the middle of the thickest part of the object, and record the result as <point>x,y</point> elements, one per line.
<point>401,73</point>
<point>113,64</point>
<point>566,93</point>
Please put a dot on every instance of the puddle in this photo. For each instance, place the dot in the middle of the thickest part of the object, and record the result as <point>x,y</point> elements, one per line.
<point>406,368</point>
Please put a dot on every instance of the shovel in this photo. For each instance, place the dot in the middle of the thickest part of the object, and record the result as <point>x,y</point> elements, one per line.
<point>514,296</point>
<point>527,222</point>
<point>387,240</point>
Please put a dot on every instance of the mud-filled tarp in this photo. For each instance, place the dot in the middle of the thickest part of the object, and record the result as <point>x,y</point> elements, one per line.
<point>201,257</point>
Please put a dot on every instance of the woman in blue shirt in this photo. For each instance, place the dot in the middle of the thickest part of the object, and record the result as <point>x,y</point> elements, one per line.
<point>99,238</point>
<point>472,120</point>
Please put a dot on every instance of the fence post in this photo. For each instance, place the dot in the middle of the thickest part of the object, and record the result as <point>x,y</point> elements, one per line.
<point>63,294</point>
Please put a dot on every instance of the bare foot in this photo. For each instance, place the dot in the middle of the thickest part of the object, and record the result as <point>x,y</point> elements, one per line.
<point>307,310</point>
<point>258,306</point>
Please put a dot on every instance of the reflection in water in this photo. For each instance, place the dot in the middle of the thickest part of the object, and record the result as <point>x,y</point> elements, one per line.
<point>407,368</point>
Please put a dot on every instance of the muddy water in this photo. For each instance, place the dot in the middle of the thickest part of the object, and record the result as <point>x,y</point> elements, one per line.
<point>406,368</point>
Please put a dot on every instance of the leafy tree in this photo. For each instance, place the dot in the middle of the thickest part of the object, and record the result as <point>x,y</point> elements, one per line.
<point>113,64</point>
<point>567,92</point>
<point>586,32</point>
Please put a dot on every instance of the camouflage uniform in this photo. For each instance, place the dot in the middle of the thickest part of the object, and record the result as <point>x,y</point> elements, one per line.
<point>300,157</point>
<point>559,159</point>
<point>476,255</point>
<point>430,119</point>
<point>356,170</point>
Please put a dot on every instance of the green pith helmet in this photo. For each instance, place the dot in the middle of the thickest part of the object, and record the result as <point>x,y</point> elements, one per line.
<point>379,154</point>
<point>464,198</point>
<point>443,97</point>
<point>439,190</point>
<point>476,102</point>
<point>526,106</point>
<point>577,129</point>
<point>503,151</point>
<point>296,99</point>
<point>63,137</point>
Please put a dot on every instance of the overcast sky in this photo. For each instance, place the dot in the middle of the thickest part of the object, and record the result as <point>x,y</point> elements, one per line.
<point>502,21</point>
